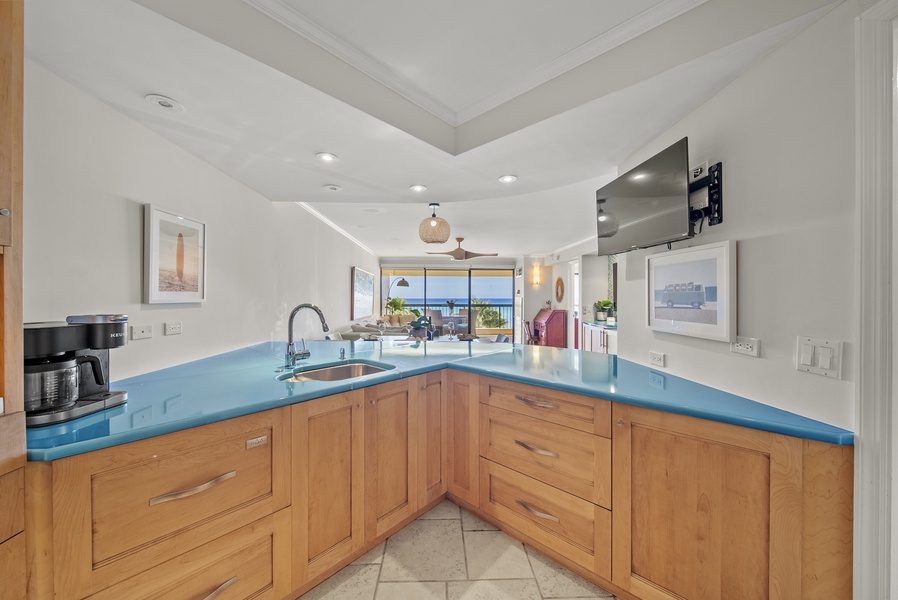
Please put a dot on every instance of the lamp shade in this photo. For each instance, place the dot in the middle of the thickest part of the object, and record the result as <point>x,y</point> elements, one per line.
<point>433,229</point>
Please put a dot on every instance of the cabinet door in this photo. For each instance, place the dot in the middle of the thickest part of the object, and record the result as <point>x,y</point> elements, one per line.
<point>328,507</point>
<point>704,510</point>
<point>464,447</point>
<point>432,448</point>
<point>390,457</point>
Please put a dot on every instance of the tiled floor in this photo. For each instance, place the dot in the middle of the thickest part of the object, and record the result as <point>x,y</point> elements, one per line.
<point>449,554</point>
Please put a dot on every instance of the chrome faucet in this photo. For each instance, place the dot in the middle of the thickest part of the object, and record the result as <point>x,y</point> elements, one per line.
<point>292,355</point>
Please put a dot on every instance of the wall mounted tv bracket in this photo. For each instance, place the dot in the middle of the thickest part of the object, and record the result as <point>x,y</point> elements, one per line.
<point>713,207</point>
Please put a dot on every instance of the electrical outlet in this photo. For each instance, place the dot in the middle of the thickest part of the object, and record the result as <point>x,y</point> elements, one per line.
<point>173,328</point>
<point>656,379</point>
<point>141,332</point>
<point>698,171</point>
<point>656,359</point>
<point>747,346</point>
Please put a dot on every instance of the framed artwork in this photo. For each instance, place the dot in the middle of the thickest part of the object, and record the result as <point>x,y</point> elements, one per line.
<point>362,301</point>
<point>693,291</point>
<point>174,257</point>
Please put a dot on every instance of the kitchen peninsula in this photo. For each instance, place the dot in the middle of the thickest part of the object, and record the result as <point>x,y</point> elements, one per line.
<point>216,472</point>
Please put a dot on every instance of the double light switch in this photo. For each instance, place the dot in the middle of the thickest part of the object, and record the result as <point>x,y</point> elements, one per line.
<point>819,356</point>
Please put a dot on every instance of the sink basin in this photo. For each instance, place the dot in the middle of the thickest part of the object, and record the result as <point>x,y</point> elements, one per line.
<point>336,372</point>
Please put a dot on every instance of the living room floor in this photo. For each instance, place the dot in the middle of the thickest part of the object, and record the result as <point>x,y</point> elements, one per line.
<point>450,554</point>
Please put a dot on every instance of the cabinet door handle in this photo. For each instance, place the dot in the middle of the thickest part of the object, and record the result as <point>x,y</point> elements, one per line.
<point>536,450</point>
<point>191,491</point>
<point>536,403</point>
<point>537,513</point>
<point>217,591</point>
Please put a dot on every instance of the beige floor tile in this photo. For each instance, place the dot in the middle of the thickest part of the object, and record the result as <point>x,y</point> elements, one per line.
<point>425,550</point>
<point>374,556</point>
<point>503,589</point>
<point>443,510</point>
<point>557,582</point>
<point>494,555</point>
<point>350,583</point>
<point>471,522</point>
<point>411,590</point>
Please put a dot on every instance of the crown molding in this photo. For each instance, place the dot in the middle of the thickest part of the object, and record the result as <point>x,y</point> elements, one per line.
<point>289,17</point>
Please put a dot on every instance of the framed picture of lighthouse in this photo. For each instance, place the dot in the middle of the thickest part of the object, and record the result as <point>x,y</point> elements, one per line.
<point>174,257</point>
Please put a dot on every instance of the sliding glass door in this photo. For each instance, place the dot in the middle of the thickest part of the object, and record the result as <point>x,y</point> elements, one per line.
<point>477,301</point>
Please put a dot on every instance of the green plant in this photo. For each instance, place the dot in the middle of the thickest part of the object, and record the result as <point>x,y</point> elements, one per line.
<point>602,305</point>
<point>488,316</point>
<point>395,306</point>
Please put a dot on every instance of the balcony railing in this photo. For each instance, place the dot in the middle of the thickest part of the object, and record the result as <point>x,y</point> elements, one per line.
<point>506,313</point>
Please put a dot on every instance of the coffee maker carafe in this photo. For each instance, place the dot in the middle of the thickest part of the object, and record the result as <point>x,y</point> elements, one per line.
<point>67,367</point>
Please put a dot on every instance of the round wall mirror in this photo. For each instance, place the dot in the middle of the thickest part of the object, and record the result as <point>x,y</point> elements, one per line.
<point>559,290</point>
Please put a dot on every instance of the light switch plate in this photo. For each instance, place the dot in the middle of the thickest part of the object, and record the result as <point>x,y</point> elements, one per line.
<point>819,356</point>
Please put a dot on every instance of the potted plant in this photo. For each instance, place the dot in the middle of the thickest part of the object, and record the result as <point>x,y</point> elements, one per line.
<point>419,325</point>
<point>395,306</point>
<point>602,307</point>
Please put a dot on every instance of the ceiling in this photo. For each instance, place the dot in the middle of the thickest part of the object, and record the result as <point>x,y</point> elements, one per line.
<point>448,95</point>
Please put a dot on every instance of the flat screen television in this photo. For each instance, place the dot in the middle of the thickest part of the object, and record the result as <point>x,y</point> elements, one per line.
<point>646,206</point>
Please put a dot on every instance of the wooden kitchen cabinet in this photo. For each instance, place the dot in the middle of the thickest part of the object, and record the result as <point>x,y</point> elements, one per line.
<point>12,422</point>
<point>247,563</point>
<point>576,529</point>
<point>463,417</point>
<point>709,510</point>
<point>432,434</point>
<point>104,517</point>
<point>391,457</point>
<point>328,484</point>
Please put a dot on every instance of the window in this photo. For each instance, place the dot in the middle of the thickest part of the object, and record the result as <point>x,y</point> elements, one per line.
<point>479,301</point>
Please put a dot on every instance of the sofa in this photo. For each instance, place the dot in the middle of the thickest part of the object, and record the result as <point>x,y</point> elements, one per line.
<point>394,325</point>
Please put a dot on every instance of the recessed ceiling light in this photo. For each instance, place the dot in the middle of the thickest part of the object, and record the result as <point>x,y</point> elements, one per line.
<point>638,176</point>
<point>164,102</point>
<point>508,178</point>
<point>333,188</point>
<point>417,187</point>
<point>327,157</point>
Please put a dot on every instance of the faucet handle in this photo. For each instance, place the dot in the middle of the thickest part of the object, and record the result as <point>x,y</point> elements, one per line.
<point>304,353</point>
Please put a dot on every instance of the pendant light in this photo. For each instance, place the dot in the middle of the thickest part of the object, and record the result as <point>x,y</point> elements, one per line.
<point>608,224</point>
<point>433,229</point>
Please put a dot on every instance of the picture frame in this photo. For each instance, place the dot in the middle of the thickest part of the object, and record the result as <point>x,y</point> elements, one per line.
<point>362,298</point>
<point>693,291</point>
<point>174,257</point>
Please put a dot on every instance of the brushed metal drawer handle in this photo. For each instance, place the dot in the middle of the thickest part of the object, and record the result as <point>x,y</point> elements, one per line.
<point>536,403</point>
<point>536,450</point>
<point>537,513</point>
<point>194,490</point>
<point>217,592</point>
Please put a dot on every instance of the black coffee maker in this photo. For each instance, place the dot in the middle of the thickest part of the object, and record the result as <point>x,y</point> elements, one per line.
<point>67,367</point>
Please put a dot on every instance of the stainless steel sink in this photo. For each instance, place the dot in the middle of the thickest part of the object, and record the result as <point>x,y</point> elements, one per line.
<point>339,372</point>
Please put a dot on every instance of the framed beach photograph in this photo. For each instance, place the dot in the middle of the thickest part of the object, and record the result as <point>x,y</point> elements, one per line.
<point>693,291</point>
<point>174,257</point>
<point>362,301</point>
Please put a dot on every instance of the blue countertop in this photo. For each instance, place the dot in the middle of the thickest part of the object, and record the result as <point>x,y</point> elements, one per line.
<point>245,381</point>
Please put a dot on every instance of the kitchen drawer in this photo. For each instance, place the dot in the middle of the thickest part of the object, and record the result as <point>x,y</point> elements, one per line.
<point>236,566</point>
<point>576,529</point>
<point>144,502</point>
<point>591,415</point>
<point>123,510</point>
<point>575,461</point>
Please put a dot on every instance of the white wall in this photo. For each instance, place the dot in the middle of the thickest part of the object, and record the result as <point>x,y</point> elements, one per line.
<point>88,172</point>
<point>785,132</point>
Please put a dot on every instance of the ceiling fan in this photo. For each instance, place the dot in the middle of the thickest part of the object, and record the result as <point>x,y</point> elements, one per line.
<point>462,254</point>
